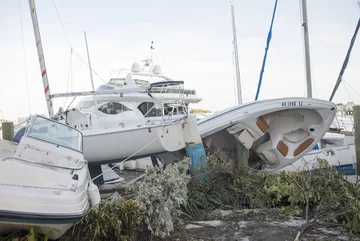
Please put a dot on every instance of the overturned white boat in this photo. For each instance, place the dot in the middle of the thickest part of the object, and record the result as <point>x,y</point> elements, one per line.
<point>276,132</point>
<point>44,180</point>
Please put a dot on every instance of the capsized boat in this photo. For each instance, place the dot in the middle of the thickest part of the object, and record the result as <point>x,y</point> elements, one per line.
<point>276,132</point>
<point>44,179</point>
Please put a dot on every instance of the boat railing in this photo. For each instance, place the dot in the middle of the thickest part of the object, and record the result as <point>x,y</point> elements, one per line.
<point>44,164</point>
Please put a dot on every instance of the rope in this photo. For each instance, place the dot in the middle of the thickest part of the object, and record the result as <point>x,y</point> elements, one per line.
<point>70,103</point>
<point>23,45</point>
<point>126,159</point>
<point>266,50</point>
<point>178,120</point>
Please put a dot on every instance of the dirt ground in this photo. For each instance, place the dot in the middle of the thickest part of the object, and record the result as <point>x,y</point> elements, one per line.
<point>240,228</point>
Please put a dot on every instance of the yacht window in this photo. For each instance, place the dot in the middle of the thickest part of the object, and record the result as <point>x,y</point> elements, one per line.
<point>148,109</point>
<point>113,108</point>
<point>88,104</point>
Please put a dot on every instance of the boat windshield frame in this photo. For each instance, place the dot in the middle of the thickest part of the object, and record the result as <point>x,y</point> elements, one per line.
<point>76,137</point>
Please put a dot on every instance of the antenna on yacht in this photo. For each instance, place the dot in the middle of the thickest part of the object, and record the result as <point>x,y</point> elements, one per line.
<point>238,85</point>
<point>152,49</point>
<point>305,28</point>
<point>41,58</point>
<point>91,76</point>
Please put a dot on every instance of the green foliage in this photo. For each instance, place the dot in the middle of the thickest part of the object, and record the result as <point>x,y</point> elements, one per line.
<point>161,193</point>
<point>209,189</point>
<point>206,196</point>
<point>283,213</point>
<point>32,235</point>
<point>323,195</point>
<point>113,219</point>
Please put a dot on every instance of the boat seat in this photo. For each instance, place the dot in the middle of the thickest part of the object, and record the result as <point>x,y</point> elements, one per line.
<point>262,124</point>
<point>303,146</point>
<point>282,148</point>
<point>266,153</point>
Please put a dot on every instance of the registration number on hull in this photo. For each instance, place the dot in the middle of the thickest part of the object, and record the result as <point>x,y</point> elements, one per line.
<point>292,103</point>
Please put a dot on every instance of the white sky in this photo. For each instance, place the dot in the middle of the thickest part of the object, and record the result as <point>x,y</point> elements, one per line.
<point>193,42</point>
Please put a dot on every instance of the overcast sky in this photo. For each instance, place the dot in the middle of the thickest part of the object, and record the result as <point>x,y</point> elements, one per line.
<point>193,42</point>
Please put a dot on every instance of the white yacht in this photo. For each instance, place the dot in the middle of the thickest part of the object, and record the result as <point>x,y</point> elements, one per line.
<point>123,123</point>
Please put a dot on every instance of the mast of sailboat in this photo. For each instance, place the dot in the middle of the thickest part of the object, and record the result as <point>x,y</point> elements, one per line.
<point>91,76</point>
<point>305,27</point>
<point>237,70</point>
<point>41,58</point>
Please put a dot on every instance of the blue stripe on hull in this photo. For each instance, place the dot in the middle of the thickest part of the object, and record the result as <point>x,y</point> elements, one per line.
<point>346,169</point>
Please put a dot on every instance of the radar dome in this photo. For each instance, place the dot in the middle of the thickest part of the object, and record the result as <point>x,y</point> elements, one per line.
<point>157,69</point>
<point>135,68</point>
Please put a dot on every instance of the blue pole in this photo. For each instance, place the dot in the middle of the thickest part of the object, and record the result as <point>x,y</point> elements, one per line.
<point>266,50</point>
<point>338,81</point>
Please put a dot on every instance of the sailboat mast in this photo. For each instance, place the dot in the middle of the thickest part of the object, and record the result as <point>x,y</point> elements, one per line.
<point>305,28</point>
<point>238,85</point>
<point>41,58</point>
<point>90,69</point>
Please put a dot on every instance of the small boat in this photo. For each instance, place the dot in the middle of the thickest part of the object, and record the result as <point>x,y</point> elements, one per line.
<point>44,179</point>
<point>276,132</point>
<point>337,149</point>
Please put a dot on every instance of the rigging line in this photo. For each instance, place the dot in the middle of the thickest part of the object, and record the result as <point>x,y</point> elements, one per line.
<point>266,51</point>
<point>84,62</point>
<point>62,24</point>
<point>349,93</point>
<point>351,87</point>
<point>357,6</point>
<point>23,45</point>
<point>68,79</point>
<point>71,103</point>
<point>69,43</point>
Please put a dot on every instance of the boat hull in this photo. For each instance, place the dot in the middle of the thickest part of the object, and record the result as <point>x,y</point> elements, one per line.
<point>277,132</point>
<point>43,186</point>
<point>111,145</point>
<point>343,158</point>
<point>57,225</point>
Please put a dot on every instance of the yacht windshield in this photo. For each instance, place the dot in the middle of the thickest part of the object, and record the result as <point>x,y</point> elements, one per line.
<point>56,133</point>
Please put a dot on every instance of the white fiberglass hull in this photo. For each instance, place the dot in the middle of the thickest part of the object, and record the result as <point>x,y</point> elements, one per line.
<point>278,131</point>
<point>343,157</point>
<point>103,146</point>
<point>42,185</point>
